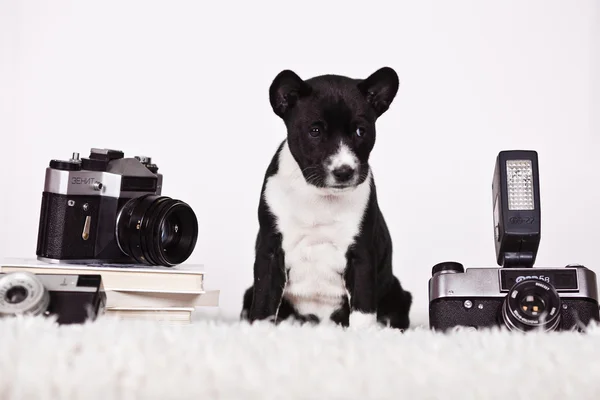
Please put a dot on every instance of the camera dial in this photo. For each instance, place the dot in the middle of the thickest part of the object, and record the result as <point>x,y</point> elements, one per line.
<point>144,159</point>
<point>22,293</point>
<point>447,267</point>
<point>147,162</point>
<point>531,304</point>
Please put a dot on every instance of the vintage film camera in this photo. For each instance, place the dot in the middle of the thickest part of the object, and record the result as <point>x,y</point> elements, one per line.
<point>71,299</point>
<point>108,209</point>
<point>516,296</point>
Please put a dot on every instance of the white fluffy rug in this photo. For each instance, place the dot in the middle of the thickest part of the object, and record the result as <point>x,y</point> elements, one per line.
<point>223,360</point>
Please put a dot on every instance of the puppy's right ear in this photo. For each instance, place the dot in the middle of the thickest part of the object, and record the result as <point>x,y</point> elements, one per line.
<point>286,89</point>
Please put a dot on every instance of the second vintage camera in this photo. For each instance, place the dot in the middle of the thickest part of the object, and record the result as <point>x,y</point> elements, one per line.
<point>71,299</point>
<point>516,296</point>
<point>108,209</point>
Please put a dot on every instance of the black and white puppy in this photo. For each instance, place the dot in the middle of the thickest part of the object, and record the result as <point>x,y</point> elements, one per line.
<point>323,250</point>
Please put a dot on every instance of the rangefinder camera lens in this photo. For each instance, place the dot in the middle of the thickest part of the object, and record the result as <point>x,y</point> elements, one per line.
<point>22,293</point>
<point>531,304</point>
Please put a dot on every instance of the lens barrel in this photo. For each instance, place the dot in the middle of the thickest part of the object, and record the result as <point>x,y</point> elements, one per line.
<point>22,293</point>
<point>531,304</point>
<point>157,230</point>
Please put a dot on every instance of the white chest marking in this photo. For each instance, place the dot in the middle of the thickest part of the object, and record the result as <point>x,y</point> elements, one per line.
<point>317,226</point>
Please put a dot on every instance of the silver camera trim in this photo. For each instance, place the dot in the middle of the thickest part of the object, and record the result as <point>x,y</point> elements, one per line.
<point>100,183</point>
<point>82,183</point>
<point>485,282</point>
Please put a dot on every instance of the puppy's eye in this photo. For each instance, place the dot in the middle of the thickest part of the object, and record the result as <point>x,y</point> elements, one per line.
<point>360,132</point>
<point>314,132</point>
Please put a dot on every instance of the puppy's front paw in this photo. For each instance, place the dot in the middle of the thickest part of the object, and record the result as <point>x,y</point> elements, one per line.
<point>258,316</point>
<point>361,320</point>
<point>269,319</point>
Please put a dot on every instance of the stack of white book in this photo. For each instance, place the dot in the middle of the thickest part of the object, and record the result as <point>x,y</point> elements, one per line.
<point>137,291</point>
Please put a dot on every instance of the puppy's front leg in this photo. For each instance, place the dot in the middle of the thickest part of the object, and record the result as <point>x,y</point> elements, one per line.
<point>361,280</point>
<point>269,279</point>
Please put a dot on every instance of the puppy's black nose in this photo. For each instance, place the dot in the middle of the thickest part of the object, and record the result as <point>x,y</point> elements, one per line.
<point>343,173</point>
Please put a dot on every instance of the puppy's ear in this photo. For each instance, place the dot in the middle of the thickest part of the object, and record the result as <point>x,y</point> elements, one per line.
<point>286,89</point>
<point>380,88</point>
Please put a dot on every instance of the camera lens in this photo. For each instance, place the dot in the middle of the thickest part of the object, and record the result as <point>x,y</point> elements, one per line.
<point>531,304</point>
<point>157,230</point>
<point>170,235</point>
<point>22,293</point>
<point>16,294</point>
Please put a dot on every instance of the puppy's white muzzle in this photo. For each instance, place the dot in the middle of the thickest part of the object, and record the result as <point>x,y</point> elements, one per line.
<point>342,168</point>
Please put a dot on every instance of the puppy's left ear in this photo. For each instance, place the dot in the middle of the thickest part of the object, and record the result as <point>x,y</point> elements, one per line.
<point>380,88</point>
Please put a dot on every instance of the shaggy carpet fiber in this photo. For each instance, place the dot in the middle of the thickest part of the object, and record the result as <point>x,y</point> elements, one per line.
<point>111,359</point>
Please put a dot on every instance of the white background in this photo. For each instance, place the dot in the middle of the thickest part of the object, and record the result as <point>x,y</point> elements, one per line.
<point>186,82</point>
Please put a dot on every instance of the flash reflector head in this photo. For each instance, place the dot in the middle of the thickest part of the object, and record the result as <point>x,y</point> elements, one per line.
<point>516,201</point>
<point>519,176</point>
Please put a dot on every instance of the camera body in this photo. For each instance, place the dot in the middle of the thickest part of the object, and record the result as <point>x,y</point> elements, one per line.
<point>520,299</point>
<point>516,295</point>
<point>71,299</point>
<point>108,209</point>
